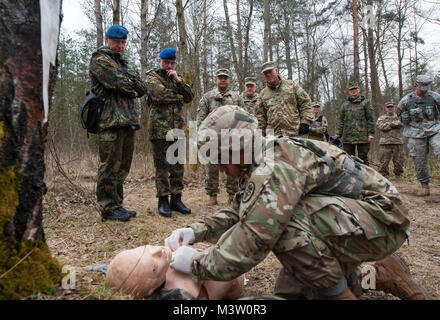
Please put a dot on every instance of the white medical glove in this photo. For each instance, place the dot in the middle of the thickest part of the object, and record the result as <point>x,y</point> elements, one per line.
<point>182,257</point>
<point>184,235</point>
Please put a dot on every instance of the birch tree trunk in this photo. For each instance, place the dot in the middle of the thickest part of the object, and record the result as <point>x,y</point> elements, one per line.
<point>116,11</point>
<point>355,41</point>
<point>26,265</point>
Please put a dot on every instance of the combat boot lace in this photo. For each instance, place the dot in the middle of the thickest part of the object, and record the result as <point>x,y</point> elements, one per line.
<point>164,207</point>
<point>177,204</point>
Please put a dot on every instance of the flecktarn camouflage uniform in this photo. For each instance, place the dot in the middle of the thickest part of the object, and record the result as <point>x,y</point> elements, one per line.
<point>288,207</point>
<point>210,102</point>
<point>421,117</point>
<point>119,86</point>
<point>390,144</point>
<point>355,124</point>
<point>283,108</point>
<point>166,101</point>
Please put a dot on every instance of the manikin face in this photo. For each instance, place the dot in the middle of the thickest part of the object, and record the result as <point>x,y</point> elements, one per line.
<point>116,45</point>
<point>271,76</point>
<point>250,89</point>
<point>223,83</point>
<point>139,271</point>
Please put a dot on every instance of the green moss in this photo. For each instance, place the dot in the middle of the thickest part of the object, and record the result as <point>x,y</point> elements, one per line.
<point>39,272</point>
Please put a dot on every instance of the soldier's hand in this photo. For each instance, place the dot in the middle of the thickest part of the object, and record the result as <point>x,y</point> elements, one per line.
<point>173,75</point>
<point>370,138</point>
<point>178,237</point>
<point>182,258</point>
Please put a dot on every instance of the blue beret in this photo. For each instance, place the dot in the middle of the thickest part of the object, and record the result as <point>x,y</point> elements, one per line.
<point>117,32</point>
<point>168,53</point>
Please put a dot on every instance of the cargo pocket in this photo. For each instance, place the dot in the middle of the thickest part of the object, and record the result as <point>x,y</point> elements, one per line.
<point>430,113</point>
<point>108,136</point>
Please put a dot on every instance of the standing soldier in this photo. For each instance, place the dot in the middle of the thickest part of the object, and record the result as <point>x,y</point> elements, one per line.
<point>168,93</point>
<point>318,130</point>
<point>283,105</point>
<point>419,112</point>
<point>249,95</point>
<point>118,86</point>
<point>391,141</point>
<point>356,124</point>
<point>210,101</point>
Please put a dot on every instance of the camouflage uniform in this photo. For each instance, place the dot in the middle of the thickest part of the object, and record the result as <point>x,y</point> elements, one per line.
<point>283,107</point>
<point>422,128</point>
<point>356,123</point>
<point>210,102</point>
<point>390,144</point>
<point>166,100</point>
<point>249,103</point>
<point>113,80</point>
<point>291,207</point>
<point>319,128</point>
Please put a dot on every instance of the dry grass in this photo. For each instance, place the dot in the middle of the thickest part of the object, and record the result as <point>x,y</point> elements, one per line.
<point>78,238</point>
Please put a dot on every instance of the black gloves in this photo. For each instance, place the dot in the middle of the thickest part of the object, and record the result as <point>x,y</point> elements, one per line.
<point>304,128</point>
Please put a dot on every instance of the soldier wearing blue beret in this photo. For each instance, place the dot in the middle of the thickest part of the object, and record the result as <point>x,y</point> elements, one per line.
<point>118,85</point>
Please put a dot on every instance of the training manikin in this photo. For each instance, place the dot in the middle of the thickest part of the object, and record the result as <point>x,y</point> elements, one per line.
<point>140,271</point>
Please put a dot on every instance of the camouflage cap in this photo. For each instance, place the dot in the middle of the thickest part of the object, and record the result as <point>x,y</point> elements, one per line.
<point>353,85</point>
<point>423,81</point>
<point>231,118</point>
<point>316,104</point>
<point>250,80</point>
<point>389,103</point>
<point>222,72</point>
<point>269,65</point>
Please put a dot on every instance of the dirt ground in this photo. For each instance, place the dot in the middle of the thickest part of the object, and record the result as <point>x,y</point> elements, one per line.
<point>78,238</point>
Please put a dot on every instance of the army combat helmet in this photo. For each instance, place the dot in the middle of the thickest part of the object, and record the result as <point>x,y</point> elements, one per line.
<point>229,128</point>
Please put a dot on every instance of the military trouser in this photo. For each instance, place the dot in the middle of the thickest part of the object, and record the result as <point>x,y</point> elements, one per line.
<point>418,151</point>
<point>337,235</point>
<point>362,150</point>
<point>394,152</point>
<point>169,177</point>
<point>212,181</point>
<point>116,147</point>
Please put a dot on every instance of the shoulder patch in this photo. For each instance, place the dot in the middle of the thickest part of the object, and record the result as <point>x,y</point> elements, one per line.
<point>248,192</point>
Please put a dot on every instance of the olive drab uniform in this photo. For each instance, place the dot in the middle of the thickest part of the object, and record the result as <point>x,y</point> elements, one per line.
<point>355,124</point>
<point>211,101</point>
<point>113,80</point>
<point>317,209</point>
<point>249,103</point>
<point>390,144</point>
<point>318,129</point>
<point>166,100</point>
<point>283,108</point>
<point>422,128</point>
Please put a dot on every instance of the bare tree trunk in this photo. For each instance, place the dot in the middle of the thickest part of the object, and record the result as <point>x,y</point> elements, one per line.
<point>246,41</point>
<point>205,54</point>
<point>364,43</point>
<point>240,45</point>
<point>266,18</point>
<point>26,265</point>
<point>355,41</point>
<point>116,11</point>
<point>231,43</point>
<point>99,29</point>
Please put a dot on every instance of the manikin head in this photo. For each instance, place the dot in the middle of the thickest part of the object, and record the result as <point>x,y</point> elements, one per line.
<point>139,271</point>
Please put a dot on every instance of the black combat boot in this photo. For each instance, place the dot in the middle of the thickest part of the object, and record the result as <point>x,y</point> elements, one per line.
<point>132,213</point>
<point>164,207</point>
<point>177,204</point>
<point>117,214</point>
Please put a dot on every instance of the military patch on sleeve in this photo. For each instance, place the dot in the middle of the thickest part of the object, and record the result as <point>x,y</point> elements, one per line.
<point>99,58</point>
<point>248,192</point>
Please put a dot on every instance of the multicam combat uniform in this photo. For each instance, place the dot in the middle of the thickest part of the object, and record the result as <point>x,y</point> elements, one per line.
<point>319,128</point>
<point>211,101</point>
<point>283,108</point>
<point>356,123</point>
<point>249,102</point>
<point>320,223</point>
<point>166,100</point>
<point>113,80</point>
<point>421,117</point>
<point>391,144</point>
